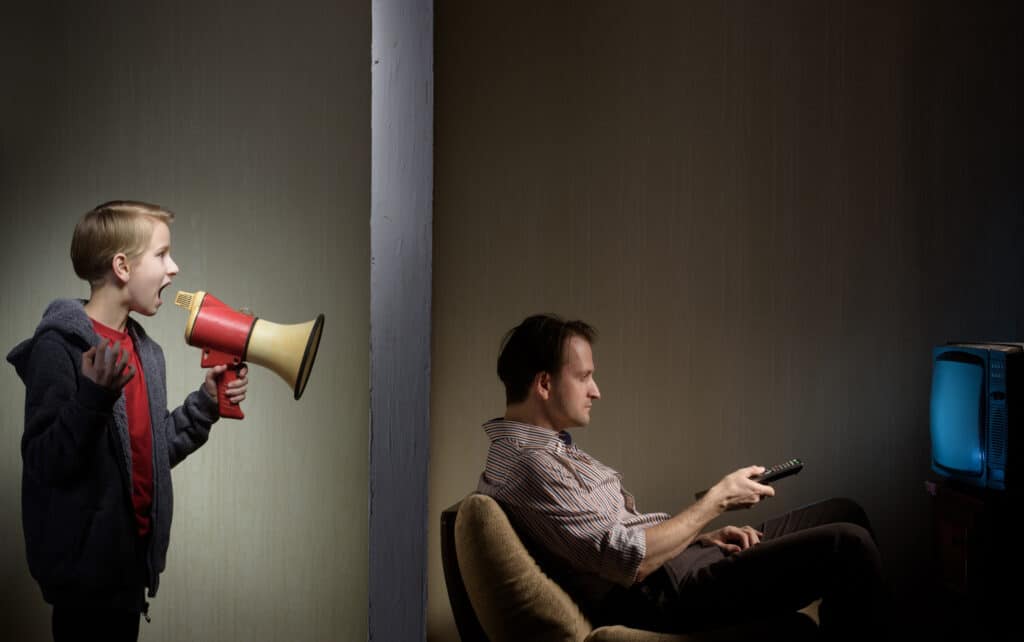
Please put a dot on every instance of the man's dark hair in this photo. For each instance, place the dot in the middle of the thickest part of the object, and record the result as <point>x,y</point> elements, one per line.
<point>533,346</point>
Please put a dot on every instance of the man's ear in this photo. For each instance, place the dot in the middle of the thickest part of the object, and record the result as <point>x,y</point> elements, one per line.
<point>119,264</point>
<point>542,384</point>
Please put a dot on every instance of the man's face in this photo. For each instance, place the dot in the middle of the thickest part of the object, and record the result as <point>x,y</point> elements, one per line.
<point>152,272</point>
<point>574,390</point>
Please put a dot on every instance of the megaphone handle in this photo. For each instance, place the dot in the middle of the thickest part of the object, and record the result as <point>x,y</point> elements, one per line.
<point>228,409</point>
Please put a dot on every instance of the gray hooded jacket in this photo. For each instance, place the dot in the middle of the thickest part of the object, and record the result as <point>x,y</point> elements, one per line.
<point>78,518</point>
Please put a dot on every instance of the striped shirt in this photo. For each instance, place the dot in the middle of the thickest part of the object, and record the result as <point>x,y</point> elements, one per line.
<point>568,502</point>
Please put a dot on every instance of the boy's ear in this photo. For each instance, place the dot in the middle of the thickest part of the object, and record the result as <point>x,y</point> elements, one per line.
<point>119,264</point>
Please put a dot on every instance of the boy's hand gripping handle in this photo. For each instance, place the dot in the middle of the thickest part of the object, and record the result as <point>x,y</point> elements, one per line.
<point>228,408</point>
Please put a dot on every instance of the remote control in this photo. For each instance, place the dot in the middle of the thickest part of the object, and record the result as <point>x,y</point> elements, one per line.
<point>791,467</point>
<point>775,473</point>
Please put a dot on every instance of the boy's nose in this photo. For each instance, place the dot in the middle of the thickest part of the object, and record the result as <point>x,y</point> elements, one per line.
<point>172,269</point>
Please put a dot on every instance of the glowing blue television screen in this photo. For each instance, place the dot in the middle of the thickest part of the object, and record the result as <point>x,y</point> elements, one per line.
<point>973,403</point>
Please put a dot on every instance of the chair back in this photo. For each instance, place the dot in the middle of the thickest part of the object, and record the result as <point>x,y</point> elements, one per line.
<point>509,596</point>
<point>465,618</point>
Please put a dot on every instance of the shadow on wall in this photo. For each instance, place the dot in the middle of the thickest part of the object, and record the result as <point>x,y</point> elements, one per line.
<point>22,609</point>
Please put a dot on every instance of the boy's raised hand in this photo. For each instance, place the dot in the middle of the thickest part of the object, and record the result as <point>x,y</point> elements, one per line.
<point>106,364</point>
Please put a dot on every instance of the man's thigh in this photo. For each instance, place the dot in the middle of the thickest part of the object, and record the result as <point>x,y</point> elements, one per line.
<point>829,511</point>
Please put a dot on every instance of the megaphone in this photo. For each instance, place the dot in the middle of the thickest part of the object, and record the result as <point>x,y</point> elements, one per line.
<point>229,337</point>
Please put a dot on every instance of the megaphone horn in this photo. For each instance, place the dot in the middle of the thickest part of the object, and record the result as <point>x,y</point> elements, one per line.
<point>288,350</point>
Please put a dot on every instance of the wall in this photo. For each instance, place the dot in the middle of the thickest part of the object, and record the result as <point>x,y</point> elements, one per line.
<point>251,122</point>
<point>770,211</point>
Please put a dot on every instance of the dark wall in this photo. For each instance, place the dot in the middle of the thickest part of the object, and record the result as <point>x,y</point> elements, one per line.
<point>771,211</point>
<point>964,142</point>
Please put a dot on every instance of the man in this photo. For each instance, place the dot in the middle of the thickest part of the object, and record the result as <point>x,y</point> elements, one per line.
<point>654,570</point>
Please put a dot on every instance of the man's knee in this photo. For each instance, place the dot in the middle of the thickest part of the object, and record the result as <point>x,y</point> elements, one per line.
<point>857,548</point>
<point>844,509</point>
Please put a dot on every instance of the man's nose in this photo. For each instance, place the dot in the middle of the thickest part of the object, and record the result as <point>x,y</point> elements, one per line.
<point>595,393</point>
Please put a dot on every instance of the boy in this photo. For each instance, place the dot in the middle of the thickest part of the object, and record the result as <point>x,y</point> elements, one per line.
<point>99,442</point>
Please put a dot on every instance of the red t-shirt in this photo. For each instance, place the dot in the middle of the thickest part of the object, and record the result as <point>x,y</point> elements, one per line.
<point>139,429</point>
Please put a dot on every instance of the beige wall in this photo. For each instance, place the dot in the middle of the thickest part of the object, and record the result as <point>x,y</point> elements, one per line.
<point>771,211</point>
<point>251,121</point>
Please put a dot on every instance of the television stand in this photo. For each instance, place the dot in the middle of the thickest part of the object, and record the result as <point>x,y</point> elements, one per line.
<point>975,554</point>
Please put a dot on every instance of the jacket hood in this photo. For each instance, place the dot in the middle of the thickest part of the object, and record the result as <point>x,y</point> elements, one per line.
<point>67,317</point>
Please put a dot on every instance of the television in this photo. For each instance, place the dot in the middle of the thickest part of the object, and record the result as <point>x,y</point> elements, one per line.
<point>976,405</point>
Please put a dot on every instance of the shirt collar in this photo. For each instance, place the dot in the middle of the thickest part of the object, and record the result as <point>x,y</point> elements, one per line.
<point>526,434</point>
<point>107,332</point>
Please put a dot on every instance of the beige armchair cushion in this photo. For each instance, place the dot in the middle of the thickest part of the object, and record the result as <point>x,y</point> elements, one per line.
<point>512,597</point>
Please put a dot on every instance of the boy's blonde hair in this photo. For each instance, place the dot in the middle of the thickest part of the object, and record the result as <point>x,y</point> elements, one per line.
<point>113,228</point>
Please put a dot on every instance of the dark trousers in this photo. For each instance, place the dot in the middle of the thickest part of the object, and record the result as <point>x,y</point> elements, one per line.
<point>79,624</point>
<point>825,550</point>
<point>115,618</point>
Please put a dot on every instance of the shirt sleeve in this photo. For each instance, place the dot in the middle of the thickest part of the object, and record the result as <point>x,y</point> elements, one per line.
<point>573,522</point>
<point>187,427</point>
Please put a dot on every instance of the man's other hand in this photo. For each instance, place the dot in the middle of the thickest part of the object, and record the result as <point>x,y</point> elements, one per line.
<point>732,539</point>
